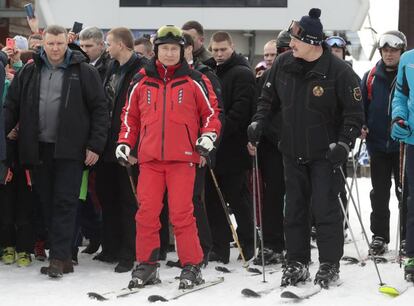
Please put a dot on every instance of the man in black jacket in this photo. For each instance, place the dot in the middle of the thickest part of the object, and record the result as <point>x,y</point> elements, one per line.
<point>91,41</point>
<point>59,103</point>
<point>319,100</point>
<point>112,182</point>
<point>232,159</point>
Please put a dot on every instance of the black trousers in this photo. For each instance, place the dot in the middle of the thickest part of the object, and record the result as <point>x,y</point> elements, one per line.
<point>57,182</point>
<point>384,166</point>
<point>16,206</point>
<point>235,191</point>
<point>271,168</point>
<point>318,183</point>
<point>119,207</point>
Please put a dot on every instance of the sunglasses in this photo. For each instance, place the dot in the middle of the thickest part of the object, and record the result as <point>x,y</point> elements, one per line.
<point>280,50</point>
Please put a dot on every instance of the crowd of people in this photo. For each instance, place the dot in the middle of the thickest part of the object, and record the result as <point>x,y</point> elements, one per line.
<point>113,138</point>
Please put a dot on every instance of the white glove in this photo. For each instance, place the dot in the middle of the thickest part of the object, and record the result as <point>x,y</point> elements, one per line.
<point>205,143</point>
<point>122,153</point>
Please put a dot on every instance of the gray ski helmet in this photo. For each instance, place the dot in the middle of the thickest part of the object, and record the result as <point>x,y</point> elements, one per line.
<point>283,39</point>
<point>394,39</point>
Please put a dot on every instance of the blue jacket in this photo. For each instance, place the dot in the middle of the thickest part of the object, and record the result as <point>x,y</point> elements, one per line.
<point>378,112</point>
<point>403,102</point>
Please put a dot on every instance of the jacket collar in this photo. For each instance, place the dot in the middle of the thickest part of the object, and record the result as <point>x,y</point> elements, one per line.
<point>181,69</point>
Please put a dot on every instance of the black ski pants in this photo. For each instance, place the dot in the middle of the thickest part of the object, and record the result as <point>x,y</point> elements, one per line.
<point>384,166</point>
<point>119,207</point>
<point>235,191</point>
<point>271,168</point>
<point>409,246</point>
<point>16,218</point>
<point>318,183</point>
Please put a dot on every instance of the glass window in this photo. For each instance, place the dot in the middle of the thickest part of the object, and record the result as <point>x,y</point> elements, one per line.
<point>205,3</point>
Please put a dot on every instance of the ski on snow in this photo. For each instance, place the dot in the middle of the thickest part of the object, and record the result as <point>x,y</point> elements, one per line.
<point>113,294</point>
<point>181,292</point>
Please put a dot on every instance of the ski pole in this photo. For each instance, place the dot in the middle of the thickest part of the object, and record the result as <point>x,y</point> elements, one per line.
<point>362,225</point>
<point>254,183</point>
<point>361,260</point>
<point>401,198</point>
<point>226,212</point>
<point>259,202</point>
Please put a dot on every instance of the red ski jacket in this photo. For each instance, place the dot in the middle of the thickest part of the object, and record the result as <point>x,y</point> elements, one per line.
<point>169,113</point>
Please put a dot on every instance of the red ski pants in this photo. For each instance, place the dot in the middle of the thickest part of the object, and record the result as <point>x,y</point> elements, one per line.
<point>178,178</point>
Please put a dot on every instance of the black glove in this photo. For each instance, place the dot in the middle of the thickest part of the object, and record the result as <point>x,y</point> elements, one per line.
<point>254,132</point>
<point>338,154</point>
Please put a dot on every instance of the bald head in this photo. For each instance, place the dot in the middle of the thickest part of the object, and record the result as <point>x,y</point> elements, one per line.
<point>269,52</point>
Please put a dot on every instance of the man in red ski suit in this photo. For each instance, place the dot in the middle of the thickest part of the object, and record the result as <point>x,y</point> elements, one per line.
<point>169,105</point>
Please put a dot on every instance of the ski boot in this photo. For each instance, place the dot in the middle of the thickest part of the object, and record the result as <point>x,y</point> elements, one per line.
<point>270,257</point>
<point>294,272</point>
<point>327,274</point>
<point>144,274</point>
<point>8,255</point>
<point>378,246</point>
<point>190,276</point>
<point>23,259</point>
<point>409,269</point>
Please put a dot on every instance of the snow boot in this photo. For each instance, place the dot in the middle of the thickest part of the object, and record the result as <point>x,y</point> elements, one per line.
<point>57,268</point>
<point>270,257</point>
<point>23,259</point>
<point>327,274</point>
<point>190,276</point>
<point>39,250</point>
<point>144,274</point>
<point>378,246</point>
<point>124,266</point>
<point>409,269</point>
<point>9,254</point>
<point>294,272</point>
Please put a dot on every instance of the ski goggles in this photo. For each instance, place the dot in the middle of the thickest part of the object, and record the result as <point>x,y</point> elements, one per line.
<point>295,30</point>
<point>169,31</point>
<point>336,41</point>
<point>392,41</point>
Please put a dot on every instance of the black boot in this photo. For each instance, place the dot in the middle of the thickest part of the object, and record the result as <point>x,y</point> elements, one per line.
<point>327,274</point>
<point>378,246</point>
<point>190,276</point>
<point>124,266</point>
<point>294,272</point>
<point>144,274</point>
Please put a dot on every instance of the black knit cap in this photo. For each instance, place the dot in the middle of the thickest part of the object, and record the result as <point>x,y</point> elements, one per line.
<point>312,27</point>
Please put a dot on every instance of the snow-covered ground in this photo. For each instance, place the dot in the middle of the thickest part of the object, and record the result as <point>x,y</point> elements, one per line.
<point>26,286</point>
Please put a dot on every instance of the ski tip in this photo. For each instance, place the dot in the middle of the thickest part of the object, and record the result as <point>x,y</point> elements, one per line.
<point>250,293</point>
<point>96,296</point>
<point>289,295</point>
<point>222,269</point>
<point>254,270</point>
<point>389,290</point>
<point>156,298</point>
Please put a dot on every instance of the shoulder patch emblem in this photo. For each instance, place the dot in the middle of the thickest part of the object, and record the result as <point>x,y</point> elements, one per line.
<point>357,94</point>
<point>318,91</point>
<point>268,84</point>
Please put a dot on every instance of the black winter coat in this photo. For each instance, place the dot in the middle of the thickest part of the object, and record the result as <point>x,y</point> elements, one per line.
<point>83,115</point>
<point>318,108</point>
<point>238,93</point>
<point>116,103</point>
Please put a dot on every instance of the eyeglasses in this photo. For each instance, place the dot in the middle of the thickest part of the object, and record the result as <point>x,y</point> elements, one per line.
<point>336,41</point>
<point>295,30</point>
<point>169,31</point>
<point>392,41</point>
